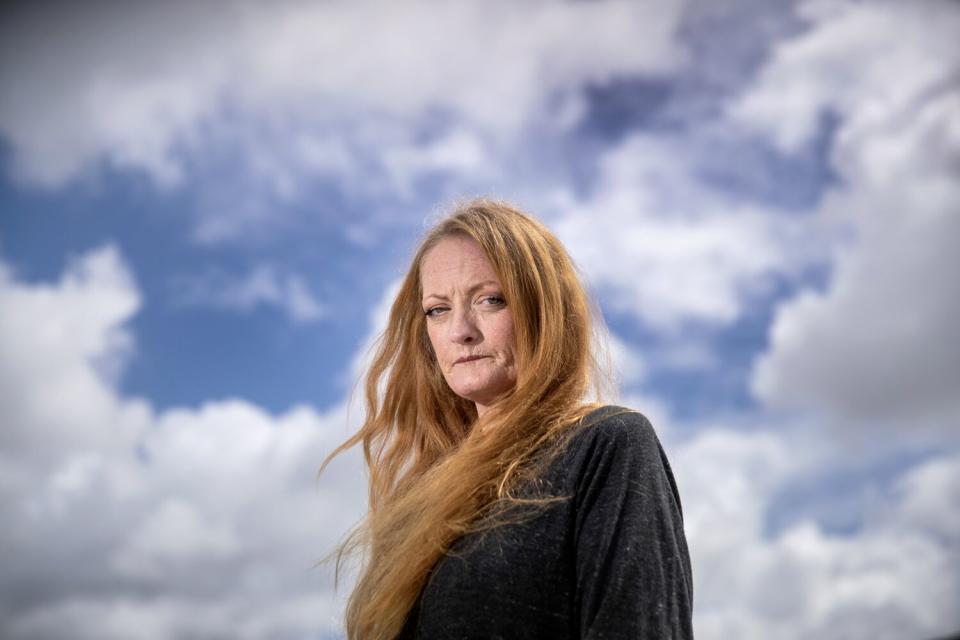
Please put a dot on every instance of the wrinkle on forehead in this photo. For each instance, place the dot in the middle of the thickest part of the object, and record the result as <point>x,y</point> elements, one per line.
<point>455,262</point>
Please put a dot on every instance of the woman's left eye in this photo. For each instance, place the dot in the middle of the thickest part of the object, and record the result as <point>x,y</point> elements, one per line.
<point>494,300</point>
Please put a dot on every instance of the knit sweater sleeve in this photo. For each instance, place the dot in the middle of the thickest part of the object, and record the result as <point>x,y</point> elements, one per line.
<point>633,577</point>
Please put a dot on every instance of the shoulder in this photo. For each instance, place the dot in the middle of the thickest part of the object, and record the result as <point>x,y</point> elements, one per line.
<point>610,420</point>
<point>612,428</point>
<point>610,439</point>
<point>616,453</point>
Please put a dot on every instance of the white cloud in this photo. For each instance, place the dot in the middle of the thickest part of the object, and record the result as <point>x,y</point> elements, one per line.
<point>893,578</point>
<point>128,523</point>
<point>175,534</point>
<point>880,341</point>
<point>264,285</point>
<point>137,86</point>
<point>57,334</point>
<point>459,152</point>
<point>847,62</point>
<point>670,249</point>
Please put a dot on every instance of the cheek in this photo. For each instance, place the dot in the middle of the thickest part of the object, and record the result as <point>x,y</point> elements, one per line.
<point>506,340</point>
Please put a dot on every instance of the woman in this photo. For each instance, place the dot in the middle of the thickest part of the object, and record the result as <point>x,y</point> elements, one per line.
<point>501,504</point>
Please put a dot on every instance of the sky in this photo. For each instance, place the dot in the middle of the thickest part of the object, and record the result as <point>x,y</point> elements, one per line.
<point>206,207</point>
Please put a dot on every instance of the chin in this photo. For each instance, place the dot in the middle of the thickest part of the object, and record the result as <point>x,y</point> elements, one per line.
<point>484,393</point>
<point>473,394</point>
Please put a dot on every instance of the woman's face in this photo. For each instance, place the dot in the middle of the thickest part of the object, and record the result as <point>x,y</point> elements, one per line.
<point>468,321</point>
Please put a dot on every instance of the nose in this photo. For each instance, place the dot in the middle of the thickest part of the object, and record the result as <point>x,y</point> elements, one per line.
<point>463,328</point>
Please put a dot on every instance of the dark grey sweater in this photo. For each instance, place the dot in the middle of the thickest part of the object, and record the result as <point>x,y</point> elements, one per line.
<point>610,562</point>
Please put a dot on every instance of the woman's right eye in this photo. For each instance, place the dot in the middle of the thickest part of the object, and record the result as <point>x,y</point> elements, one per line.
<point>433,312</point>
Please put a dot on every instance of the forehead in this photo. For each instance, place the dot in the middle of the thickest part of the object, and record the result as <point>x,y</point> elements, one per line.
<point>455,259</point>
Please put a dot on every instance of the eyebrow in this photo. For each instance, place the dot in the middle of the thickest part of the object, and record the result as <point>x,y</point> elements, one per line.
<point>471,290</point>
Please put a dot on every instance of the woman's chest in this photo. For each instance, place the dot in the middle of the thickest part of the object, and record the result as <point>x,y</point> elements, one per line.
<point>516,580</point>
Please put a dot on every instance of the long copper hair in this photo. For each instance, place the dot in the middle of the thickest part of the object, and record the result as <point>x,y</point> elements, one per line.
<point>435,472</point>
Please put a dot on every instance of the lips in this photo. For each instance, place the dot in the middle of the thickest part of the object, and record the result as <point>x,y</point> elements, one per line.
<point>468,359</point>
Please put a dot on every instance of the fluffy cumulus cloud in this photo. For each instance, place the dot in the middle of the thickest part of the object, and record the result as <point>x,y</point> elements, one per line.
<point>124,522</point>
<point>133,85</point>
<point>670,249</point>
<point>880,340</point>
<point>61,335</point>
<point>894,577</point>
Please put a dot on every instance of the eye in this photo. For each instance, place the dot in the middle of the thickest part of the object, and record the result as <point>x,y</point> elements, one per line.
<point>433,312</point>
<point>496,301</point>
